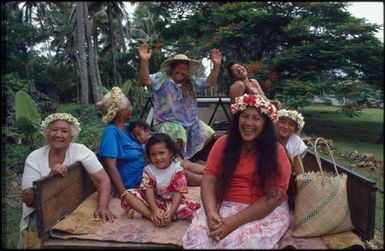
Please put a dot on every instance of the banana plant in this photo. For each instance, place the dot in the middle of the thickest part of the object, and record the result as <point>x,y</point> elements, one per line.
<point>28,118</point>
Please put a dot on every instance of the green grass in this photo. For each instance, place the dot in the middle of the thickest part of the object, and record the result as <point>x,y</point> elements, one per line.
<point>349,134</point>
<point>10,227</point>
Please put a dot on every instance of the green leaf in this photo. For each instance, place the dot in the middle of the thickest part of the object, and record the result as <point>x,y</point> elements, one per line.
<point>127,86</point>
<point>27,116</point>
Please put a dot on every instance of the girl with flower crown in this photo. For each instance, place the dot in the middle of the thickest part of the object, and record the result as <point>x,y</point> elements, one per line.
<point>290,122</point>
<point>244,184</point>
<point>60,130</point>
<point>175,89</point>
<point>121,153</point>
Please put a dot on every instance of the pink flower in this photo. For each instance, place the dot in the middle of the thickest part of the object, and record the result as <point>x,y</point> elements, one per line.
<point>249,99</point>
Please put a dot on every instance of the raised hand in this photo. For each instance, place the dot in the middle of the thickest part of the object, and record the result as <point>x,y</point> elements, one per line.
<point>216,56</point>
<point>144,52</point>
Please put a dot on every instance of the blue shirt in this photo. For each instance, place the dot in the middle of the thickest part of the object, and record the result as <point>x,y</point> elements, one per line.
<point>128,152</point>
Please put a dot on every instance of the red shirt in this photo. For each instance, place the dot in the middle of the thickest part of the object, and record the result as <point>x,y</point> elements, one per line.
<point>244,185</point>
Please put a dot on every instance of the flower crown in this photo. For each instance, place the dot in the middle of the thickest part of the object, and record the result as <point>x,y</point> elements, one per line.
<point>293,115</point>
<point>59,116</point>
<point>255,100</point>
<point>116,96</point>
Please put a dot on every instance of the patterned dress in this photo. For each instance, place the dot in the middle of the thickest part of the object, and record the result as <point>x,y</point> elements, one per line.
<point>176,114</point>
<point>165,183</point>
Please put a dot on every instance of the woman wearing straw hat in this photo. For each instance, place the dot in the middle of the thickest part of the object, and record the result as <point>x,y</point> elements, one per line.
<point>175,105</point>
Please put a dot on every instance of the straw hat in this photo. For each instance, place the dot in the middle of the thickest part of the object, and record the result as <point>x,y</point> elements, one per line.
<point>194,65</point>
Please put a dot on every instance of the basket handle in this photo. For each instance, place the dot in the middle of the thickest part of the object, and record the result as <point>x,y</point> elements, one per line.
<point>299,156</point>
<point>317,155</point>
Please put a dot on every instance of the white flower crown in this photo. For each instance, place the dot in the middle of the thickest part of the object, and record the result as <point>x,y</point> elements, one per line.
<point>59,116</point>
<point>116,96</point>
<point>293,115</point>
<point>255,100</point>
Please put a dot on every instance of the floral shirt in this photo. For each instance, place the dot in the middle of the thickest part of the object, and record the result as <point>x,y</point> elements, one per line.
<point>169,102</point>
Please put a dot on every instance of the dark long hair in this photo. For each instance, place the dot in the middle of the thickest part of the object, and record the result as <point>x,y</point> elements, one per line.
<point>228,68</point>
<point>267,161</point>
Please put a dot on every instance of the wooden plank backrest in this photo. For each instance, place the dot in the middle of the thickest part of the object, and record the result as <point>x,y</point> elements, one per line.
<point>361,195</point>
<point>56,196</point>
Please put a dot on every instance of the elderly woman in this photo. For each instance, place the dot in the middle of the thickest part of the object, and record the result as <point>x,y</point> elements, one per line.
<point>290,122</point>
<point>244,184</point>
<point>242,84</point>
<point>175,98</point>
<point>60,130</point>
<point>122,155</point>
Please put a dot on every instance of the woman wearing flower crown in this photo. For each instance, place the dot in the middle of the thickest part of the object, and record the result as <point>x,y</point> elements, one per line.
<point>60,130</point>
<point>290,122</point>
<point>242,84</point>
<point>244,185</point>
<point>122,155</point>
<point>175,105</point>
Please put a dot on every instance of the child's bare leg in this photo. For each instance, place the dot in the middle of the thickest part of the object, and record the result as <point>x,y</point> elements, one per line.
<point>137,205</point>
<point>193,179</point>
<point>193,167</point>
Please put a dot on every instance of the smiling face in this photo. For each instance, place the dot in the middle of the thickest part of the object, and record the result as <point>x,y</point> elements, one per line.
<point>239,72</point>
<point>251,123</point>
<point>179,71</point>
<point>285,127</point>
<point>59,135</point>
<point>160,155</point>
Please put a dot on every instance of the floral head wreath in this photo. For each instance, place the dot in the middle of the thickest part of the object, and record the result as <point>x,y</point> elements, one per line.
<point>116,96</point>
<point>59,116</point>
<point>293,115</point>
<point>258,101</point>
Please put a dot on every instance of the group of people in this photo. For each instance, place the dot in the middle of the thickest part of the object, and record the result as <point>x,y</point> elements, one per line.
<point>244,183</point>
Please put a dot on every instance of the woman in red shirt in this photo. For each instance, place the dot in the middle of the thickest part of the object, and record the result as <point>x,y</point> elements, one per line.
<point>244,185</point>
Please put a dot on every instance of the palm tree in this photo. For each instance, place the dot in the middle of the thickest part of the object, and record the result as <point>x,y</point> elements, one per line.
<point>91,56</point>
<point>82,59</point>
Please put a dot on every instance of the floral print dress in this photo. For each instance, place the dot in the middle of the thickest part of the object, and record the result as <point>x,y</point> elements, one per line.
<point>165,183</point>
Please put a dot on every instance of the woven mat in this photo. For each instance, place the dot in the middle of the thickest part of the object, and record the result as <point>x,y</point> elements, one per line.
<point>81,224</point>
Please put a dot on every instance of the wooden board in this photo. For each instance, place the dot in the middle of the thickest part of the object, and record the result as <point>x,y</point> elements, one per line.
<point>56,196</point>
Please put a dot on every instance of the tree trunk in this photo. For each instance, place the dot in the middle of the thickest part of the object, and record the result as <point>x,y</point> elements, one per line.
<point>95,38</point>
<point>83,73</point>
<point>113,44</point>
<point>96,93</point>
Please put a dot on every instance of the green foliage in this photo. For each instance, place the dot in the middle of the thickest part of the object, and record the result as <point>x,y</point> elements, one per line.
<point>127,86</point>
<point>27,116</point>
<point>143,29</point>
<point>350,109</point>
<point>12,83</point>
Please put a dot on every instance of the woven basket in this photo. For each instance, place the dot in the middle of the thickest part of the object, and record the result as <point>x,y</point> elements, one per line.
<point>321,205</point>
